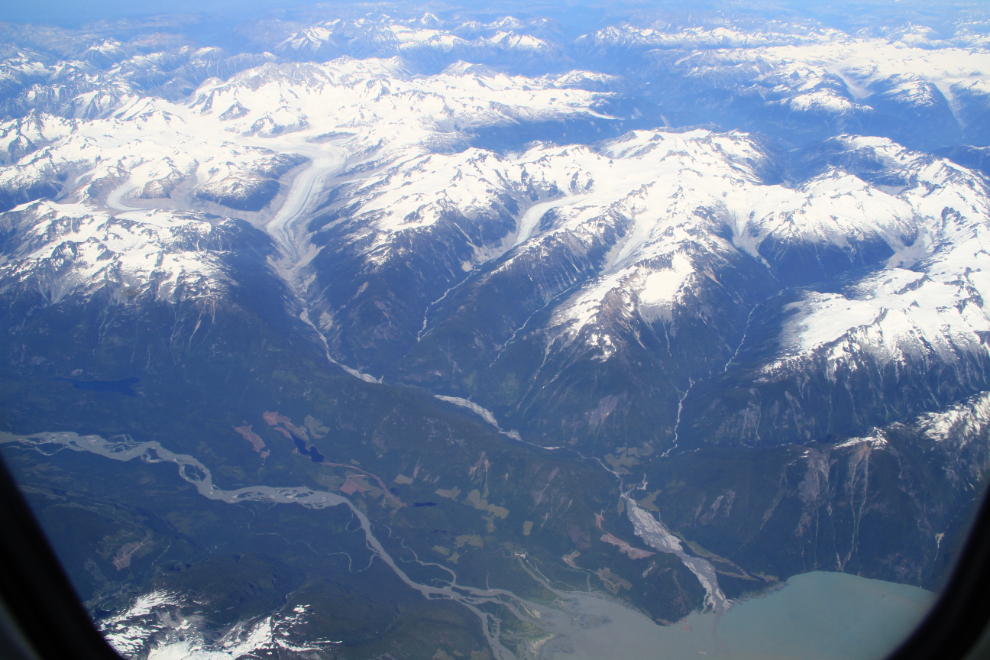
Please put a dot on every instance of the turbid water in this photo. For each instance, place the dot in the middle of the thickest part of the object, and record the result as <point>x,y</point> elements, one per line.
<point>815,616</point>
<point>824,615</point>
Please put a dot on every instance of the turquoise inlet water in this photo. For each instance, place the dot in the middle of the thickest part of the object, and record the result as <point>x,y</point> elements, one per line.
<point>815,616</point>
<point>818,616</point>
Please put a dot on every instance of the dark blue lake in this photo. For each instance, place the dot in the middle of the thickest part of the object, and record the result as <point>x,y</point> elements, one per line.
<point>312,452</point>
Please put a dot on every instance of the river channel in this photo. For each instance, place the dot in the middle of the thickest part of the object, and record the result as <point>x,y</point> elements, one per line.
<point>816,616</point>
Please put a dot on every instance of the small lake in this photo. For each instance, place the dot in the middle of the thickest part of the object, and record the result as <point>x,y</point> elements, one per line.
<point>815,616</point>
<point>312,452</point>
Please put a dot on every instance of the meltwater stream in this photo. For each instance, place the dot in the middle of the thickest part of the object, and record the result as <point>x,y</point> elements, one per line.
<point>817,616</point>
<point>656,535</point>
<point>569,624</point>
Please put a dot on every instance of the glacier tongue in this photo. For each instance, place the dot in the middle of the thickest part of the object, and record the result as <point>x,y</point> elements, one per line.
<point>672,209</point>
<point>228,147</point>
<point>646,301</point>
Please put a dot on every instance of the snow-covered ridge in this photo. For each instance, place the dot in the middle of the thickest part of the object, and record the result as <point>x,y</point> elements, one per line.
<point>233,144</point>
<point>160,624</point>
<point>962,422</point>
<point>675,197</point>
<point>951,431</point>
<point>384,104</point>
<point>679,192</point>
<point>386,35</point>
<point>67,249</point>
<point>841,73</point>
<point>742,34</point>
<point>577,181</point>
<point>873,75</point>
<point>262,122</point>
<point>672,210</point>
<point>19,137</point>
<point>725,36</point>
<point>928,302</point>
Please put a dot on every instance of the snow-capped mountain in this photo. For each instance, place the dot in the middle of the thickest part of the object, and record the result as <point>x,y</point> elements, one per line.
<point>426,40</point>
<point>668,36</point>
<point>162,623</point>
<point>222,143</point>
<point>658,244</point>
<point>801,80</point>
<point>626,239</point>
<point>70,75</point>
<point>492,280</point>
<point>910,332</point>
<point>70,250</point>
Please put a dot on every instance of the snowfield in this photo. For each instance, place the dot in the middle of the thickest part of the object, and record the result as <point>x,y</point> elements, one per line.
<point>380,155</point>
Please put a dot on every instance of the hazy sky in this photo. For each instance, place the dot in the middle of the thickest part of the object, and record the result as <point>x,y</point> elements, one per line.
<point>839,13</point>
<point>72,12</point>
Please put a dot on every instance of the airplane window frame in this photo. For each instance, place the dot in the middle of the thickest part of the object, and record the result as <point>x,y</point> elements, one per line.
<point>42,617</point>
<point>35,591</point>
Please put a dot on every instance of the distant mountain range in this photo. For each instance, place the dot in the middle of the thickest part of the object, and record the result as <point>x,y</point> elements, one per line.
<point>732,271</point>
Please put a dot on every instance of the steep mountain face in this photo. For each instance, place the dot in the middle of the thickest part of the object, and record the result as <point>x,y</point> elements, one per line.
<point>234,141</point>
<point>907,338</point>
<point>459,288</point>
<point>669,250</point>
<point>61,251</point>
<point>88,74</point>
<point>86,292</point>
<point>975,158</point>
<point>595,287</point>
<point>803,82</point>
<point>863,504</point>
<point>425,41</point>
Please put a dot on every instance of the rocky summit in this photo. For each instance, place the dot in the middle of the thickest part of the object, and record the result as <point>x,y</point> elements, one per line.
<point>366,332</point>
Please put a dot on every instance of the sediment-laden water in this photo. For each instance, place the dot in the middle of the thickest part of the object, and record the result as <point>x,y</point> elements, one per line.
<point>816,616</point>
